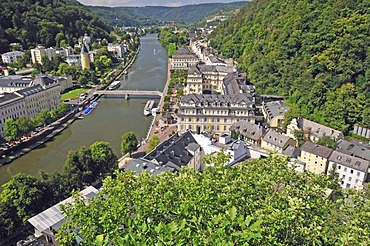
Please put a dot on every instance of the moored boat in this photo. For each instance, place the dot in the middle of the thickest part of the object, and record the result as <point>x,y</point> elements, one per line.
<point>148,107</point>
<point>114,85</point>
<point>154,111</point>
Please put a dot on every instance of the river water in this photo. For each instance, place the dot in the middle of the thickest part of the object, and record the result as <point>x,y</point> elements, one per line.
<point>113,117</point>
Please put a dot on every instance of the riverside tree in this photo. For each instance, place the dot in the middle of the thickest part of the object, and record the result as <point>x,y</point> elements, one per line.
<point>129,143</point>
<point>153,142</point>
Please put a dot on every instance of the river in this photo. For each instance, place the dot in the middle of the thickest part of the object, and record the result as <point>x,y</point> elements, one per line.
<point>108,122</point>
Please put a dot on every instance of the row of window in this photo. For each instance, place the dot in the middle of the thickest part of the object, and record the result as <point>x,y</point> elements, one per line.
<point>204,128</point>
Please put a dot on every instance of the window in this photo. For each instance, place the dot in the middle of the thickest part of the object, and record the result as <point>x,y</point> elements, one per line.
<point>345,169</point>
<point>339,166</point>
<point>351,170</point>
<point>358,174</point>
<point>344,176</point>
<point>349,178</point>
<point>348,185</point>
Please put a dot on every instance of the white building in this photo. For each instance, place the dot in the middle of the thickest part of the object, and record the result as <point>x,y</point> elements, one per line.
<point>40,51</point>
<point>11,57</point>
<point>117,49</point>
<point>32,96</point>
<point>352,170</point>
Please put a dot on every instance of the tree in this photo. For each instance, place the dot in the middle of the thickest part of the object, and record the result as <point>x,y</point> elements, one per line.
<point>262,202</point>
<point>24,124</point>
<point>11,131</point>
<point>221,159</point>
<point>327,141</point>
<point>129,143</point>
<point>153,142</point>
<point>103,157</point>
<point>298,134</point>
<point>42,117</point>
<point>62,108</point>
<point>25,193</point>
<point>78,168</point>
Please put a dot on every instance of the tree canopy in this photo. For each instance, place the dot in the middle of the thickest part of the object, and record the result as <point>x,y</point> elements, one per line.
<point>314,52</point>
<point>47,22</point>
<point>262,202</point>
<point>129,143</point>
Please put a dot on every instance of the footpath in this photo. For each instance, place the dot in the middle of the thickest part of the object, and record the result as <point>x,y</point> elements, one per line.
<point>161,133</point>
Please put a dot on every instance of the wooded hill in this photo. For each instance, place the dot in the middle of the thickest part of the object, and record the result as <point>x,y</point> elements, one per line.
<point>46,22</point>
<point>315,52</point>
<point>149,15</point>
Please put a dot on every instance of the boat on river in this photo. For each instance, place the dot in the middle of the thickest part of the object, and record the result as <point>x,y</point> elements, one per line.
<point>154,111</point>
<point>114,85</point>
<point>88,110</point>
<point>148,107</point>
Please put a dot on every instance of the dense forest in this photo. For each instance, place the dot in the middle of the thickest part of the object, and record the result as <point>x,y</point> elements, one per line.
<point>149,15</point>
<point>314,52</point>
<point>262,202</point>
<point>46,22</point>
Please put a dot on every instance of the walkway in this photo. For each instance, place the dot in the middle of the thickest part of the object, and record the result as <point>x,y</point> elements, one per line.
<point>128,92</point>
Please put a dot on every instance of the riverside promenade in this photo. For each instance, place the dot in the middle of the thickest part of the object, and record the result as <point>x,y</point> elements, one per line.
<point>162,134</point>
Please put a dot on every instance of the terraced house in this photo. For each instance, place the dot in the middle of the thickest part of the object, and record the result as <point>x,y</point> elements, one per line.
<point>214,113</point>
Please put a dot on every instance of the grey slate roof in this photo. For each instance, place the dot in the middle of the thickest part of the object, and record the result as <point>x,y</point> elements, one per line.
<point>173,151</point>
<point>317,129</point>
<point>349,161</point>
<point>292,151</point>
<point>7,97</point>
<point>184,53</point>
<point>141,165</point>
<point>30,90</point>
<point>275,138</point>
<point>248,130</point>
<point>316,149</point>
<point>353,149</point>
<point>223,99</point>
<point>44,80</point>
<point>192,147</point>
<point>276,108</point>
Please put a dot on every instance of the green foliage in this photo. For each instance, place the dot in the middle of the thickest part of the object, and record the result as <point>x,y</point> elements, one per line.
<point>298,134</point>
<point>11,130</point>
<point>327,141</point>
<point>62,108</point>
<point>263,202</point>
<point>221,159</point>
<point>50,23</point>
<point>314,52</point>
<point>153,15</point>
<point>129,143</point>
<point>153,142</point>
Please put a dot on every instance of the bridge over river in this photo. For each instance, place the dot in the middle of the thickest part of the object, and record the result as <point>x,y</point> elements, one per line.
<point>127,93</point>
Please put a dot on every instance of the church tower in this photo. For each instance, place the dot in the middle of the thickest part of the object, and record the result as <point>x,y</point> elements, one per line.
<point>85,57</point>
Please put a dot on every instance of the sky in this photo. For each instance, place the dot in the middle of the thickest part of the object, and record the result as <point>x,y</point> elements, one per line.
<point>133,3</point>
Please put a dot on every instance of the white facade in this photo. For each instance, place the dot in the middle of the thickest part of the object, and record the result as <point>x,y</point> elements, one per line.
<point>352,170</point>
<point>40,51</point>
<point>11,57</point>
<point>11,106</point>
<point>118,49</point>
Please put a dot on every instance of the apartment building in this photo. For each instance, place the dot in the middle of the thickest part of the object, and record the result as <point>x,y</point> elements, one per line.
<point>274,113</point>
<point>206,79</point>
<point>11,57</point>
<point>117,49</point>
<point>183,59</point>
<point>352,170</point>
<point>214,113</point>
<point>41,93</point>
<point>315,156</point>
<point>275,141</point>
<point>39,52</point>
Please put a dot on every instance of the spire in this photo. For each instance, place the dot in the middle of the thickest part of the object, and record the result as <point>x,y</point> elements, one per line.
<point>84,49</point>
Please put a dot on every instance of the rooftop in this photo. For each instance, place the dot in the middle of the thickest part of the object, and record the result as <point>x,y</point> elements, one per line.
<point>353,149</point>
<point>248,130</point>
<point>276,108</point>
<point>317,129</point>
<point>141,165</point>
<point>349,161</point>
<point>316,149</point>
<point>235,99</point>
<point>53,217</point>
<point>275,138</point>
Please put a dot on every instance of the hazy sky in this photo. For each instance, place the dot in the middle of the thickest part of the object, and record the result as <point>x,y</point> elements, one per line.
<point>114,3</point>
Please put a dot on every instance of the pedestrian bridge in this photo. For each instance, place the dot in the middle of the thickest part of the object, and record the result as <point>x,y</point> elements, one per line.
<point>129,93</point>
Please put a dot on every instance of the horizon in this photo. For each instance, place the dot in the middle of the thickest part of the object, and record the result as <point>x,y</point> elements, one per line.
<point>151,3</point>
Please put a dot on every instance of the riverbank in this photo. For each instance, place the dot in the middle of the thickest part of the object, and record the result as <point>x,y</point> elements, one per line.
<point>162,133</point>
<point>56,127</point>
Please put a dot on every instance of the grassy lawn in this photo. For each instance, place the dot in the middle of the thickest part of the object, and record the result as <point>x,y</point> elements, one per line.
<point>73,93</point>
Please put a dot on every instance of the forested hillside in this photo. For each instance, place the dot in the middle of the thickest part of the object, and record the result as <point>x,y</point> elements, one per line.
<point>315,52</point>
<point>46,22</point>
<point>140,16</point>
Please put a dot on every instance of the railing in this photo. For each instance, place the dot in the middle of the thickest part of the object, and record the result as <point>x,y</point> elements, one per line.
<point>128,92</point>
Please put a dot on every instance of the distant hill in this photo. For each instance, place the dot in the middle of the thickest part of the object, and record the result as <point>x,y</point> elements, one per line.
<point>315,52</point>
<point>46,22</point>
<point>140,16</point>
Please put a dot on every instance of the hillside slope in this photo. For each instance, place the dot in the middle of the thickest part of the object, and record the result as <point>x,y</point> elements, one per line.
<point>140,16</point>
<point>315,52</point>
<point>46,22</point>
